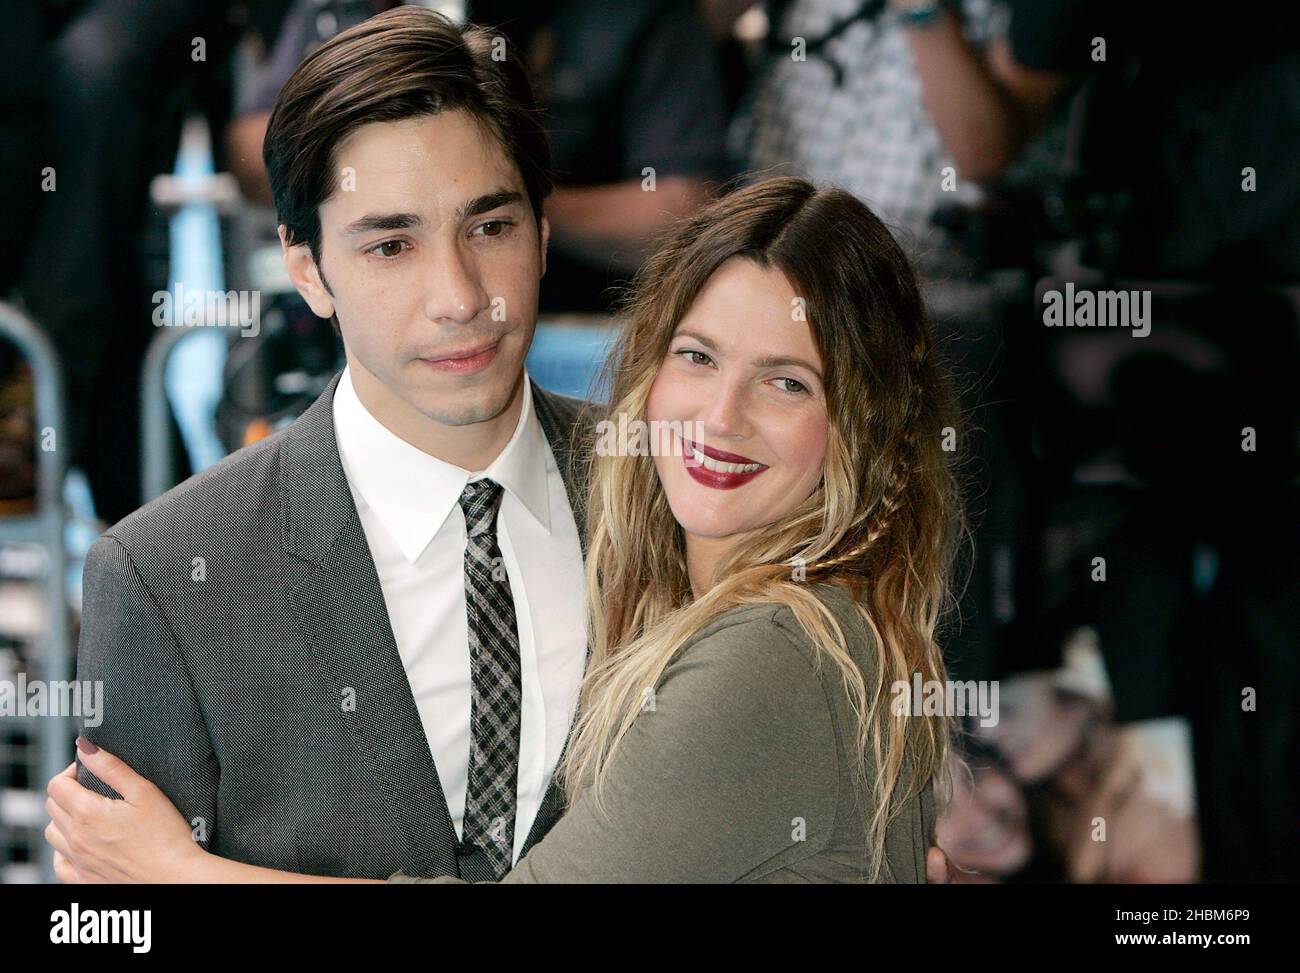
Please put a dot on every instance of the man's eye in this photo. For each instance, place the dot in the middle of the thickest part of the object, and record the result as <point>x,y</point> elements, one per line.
<point>388,249</point>
<point>492,227</point>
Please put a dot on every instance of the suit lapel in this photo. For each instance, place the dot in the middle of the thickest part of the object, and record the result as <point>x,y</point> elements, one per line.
<point>568,431</point>
<point>342,614</point>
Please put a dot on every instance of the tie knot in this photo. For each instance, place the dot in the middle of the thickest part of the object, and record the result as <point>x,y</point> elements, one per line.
<point>480,501</point>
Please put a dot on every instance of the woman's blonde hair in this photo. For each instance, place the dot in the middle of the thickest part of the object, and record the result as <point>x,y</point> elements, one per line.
<point>885,521</point>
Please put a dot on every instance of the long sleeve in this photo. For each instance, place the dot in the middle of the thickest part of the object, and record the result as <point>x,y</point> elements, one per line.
<point>732,774</point>
<point>151,717</point>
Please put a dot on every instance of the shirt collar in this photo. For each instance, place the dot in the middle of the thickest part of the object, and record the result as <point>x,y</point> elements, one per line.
<point>411,492</point>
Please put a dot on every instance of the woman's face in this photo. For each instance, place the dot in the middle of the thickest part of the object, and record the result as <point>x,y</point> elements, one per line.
<point>743,378</point>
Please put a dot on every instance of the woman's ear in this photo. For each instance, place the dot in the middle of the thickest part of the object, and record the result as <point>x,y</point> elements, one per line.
<point>306,276</point>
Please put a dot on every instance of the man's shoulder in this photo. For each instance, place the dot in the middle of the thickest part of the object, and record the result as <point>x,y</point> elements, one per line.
<point>568,410</point>
<point>569,423</point>
<point>229,498</point>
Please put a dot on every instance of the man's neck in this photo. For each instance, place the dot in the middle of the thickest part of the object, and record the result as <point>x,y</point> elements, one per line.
<point>472,446</point>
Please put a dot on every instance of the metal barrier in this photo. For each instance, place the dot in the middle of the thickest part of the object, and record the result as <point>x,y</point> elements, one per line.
<point>170,194</point>
<point>44,527</point>
<point>157,448</point>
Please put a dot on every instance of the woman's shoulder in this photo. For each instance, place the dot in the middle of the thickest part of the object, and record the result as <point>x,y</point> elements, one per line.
<point>774,624</point>
<point>766,643</point>
<point>776,676</point>
<point>763,642</point>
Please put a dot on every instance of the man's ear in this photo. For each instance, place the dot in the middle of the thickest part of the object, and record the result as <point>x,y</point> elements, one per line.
<point>546,238</point>
<point>306,276</point>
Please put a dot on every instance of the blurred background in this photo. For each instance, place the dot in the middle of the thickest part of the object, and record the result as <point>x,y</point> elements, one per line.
<point>1137,546</point>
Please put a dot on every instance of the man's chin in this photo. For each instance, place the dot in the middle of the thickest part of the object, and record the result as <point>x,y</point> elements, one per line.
<point>464,406</point>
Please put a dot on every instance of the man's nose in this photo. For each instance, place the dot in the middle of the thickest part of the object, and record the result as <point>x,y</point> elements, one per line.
<point>456,292</point>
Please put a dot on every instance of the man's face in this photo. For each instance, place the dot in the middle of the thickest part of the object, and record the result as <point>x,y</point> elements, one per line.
<point>432,259</point>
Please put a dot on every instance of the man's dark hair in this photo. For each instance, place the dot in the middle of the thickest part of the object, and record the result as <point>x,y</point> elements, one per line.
<point>403,63</point>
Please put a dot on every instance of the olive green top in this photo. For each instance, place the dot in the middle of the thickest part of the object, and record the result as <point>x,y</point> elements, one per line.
<point>740,772</point>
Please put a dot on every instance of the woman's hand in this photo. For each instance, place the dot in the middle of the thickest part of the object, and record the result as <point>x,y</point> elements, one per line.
<point>938,870</point>
<point>141,838</point>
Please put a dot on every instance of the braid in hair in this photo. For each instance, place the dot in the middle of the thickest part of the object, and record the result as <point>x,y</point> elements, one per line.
<point>900,478</point>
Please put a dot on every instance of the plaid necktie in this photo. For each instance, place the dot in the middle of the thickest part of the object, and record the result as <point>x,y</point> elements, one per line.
<point>497,693</point>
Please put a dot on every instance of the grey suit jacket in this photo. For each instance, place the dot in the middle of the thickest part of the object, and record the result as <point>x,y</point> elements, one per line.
<point>250,671</point>
<point>741,772</point>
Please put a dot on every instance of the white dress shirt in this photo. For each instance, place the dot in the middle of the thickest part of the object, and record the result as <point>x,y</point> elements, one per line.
<point>408,502</point>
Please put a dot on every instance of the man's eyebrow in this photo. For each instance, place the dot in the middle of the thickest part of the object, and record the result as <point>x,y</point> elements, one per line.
<point>383,221</point>
<point>487,203</point>
<point>405,221</point>
<point>771,361</point>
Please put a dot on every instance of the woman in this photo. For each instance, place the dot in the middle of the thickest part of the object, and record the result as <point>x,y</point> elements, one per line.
<point>758,585</point>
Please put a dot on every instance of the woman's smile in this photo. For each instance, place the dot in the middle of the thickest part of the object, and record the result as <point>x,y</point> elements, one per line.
<point>717,468</point>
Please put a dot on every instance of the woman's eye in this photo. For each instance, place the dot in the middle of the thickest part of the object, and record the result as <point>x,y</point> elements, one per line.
<point>799,389</point>
<point>689,352</point>
<point>388,249</point>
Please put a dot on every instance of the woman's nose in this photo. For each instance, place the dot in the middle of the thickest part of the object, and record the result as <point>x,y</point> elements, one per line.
<point>726,413</point>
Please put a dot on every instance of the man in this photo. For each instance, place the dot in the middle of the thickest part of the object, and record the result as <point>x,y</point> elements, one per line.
<point>283,637</point>
<point>627,87</point>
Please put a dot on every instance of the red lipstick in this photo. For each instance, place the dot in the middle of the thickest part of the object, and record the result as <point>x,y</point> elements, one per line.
<point>724,479</point>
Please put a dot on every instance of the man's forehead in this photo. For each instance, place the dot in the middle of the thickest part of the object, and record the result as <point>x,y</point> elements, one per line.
<point>438,165</point>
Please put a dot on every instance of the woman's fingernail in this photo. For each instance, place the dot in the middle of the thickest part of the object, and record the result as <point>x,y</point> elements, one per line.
<point>85,746</point>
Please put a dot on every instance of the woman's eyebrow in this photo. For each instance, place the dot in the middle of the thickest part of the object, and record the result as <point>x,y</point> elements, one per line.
<point>777,360</point>
<point>698,337</point>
